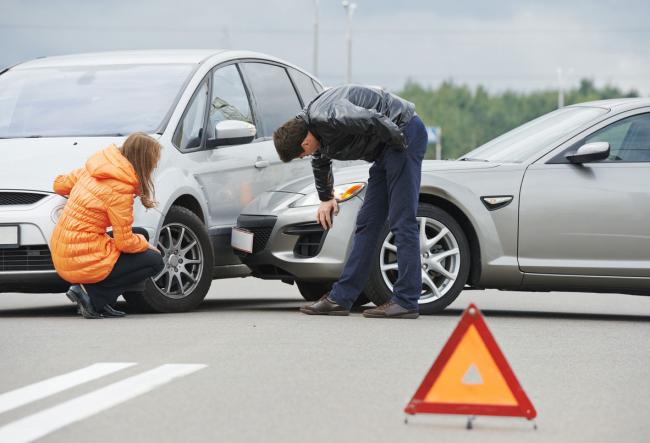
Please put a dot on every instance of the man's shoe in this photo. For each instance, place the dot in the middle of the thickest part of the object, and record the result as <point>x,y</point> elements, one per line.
<point>79,296</point>
<point>324,306</point>
<point>390,310</point>
<point>109,311</point>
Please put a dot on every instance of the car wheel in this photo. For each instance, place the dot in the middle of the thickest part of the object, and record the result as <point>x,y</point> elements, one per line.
<point>312,291</point>
<point>444,255</point>
<point>186,278</point>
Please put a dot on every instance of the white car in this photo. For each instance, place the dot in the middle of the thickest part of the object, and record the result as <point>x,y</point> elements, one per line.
<point>213,111</point>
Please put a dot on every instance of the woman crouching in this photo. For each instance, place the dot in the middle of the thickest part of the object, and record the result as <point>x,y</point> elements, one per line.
<point>101,195</point>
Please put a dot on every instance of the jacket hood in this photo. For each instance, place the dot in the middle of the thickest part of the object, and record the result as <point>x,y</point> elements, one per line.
<point>110,164</point>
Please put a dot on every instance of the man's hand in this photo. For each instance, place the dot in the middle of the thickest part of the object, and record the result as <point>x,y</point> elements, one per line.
<point>153,248</point>
<point>324,213</point>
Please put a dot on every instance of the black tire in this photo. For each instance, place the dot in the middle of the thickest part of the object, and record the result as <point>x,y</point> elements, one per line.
<point>312,291</point>
<point>377,290</point>
<point>193,235</point>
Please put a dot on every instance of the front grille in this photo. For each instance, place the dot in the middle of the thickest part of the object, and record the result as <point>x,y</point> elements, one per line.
<point>20,198</point>
<point>26,258</point>
<point>261,226</point>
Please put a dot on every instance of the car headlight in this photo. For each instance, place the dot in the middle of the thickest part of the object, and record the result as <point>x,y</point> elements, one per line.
<point>341,193</point>
<point>56,213</point>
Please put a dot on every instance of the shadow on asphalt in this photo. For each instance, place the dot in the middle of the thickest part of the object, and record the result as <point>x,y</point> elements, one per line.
<point>292,305</point>
<point>552,315</point>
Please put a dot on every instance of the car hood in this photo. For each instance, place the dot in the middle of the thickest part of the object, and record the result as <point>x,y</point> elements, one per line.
<point>32,164</point>
<point>305,185</point>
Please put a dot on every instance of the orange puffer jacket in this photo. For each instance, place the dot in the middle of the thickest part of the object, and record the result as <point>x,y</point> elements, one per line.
<point>101,195</point>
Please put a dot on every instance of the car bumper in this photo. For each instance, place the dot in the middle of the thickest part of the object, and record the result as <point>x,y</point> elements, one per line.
<point>290,245</point>
<point>28,267</point>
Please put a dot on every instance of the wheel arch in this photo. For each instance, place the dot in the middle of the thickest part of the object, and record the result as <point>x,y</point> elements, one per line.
<point>189,202</point>
<point>468,229</point>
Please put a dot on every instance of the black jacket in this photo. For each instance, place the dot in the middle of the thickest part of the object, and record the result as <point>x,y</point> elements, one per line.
<point>353,123</point>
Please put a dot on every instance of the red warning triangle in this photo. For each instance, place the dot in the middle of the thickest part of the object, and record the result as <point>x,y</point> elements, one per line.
<point>471,376</point>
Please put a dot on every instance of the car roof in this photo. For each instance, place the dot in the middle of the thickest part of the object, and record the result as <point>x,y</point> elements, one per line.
<point>182,56</point>
<point>120,58</point>
<point>618,104</point>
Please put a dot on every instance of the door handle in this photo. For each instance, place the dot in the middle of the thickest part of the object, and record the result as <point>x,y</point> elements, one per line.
<point>261,164</point>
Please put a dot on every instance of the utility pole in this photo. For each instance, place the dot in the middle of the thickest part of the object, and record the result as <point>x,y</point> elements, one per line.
<point>560,89</point>
<point>316,18</point>
<point>349,9</point>
<point>560,86</point>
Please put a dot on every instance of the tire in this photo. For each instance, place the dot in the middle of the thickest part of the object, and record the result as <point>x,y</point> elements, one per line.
<point>186,278</point>
<point>312,291</point>
<point>379,288</point>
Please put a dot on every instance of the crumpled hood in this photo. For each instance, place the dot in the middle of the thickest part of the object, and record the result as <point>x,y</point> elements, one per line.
<point>305,184</point>
<point>456,165</point>
<point>110,164</point>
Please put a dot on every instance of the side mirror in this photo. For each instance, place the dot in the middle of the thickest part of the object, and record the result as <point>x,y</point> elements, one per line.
<point>590,152</point>
<point>233,132</point>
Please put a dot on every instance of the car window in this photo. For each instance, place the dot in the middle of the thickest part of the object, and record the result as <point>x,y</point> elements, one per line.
<point>190,130</point>
<point>275,96</point>
<point>536,136</point>
<point>317,85</point>
<point>228,100</point>
<point>305,86</point>
<point>629,139</point>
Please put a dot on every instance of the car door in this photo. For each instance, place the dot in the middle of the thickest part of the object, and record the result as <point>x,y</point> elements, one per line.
<point>229,175</point>
<point>593,218</point>
<point>275,101</point>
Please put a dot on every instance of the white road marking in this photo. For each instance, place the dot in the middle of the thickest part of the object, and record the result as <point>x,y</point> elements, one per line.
<point>21,396</point>
<point>42,423</point>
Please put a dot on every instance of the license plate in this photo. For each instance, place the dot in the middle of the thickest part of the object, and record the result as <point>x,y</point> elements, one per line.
<point>9,236</point>
<point>242,240</point>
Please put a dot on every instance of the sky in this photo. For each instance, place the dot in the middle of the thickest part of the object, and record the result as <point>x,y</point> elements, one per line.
<point>508,44</point>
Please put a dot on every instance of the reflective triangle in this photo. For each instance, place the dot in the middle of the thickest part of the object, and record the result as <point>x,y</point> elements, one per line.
<point>471,376</point>
<point>450,387</point>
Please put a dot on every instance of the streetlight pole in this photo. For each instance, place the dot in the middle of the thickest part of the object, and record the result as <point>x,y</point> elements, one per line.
<point>349,9</point>
<point>560,89</point>
<point>316,38</point>
<point>560,83</point>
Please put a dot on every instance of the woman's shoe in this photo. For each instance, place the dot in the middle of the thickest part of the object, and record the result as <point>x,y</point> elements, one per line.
<point>109,311</point>
<point>79,296</point>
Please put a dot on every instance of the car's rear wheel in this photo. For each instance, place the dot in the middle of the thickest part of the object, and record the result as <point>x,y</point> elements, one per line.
<point>444,255</point>
<point>312,291</point>
<point>186,278</point>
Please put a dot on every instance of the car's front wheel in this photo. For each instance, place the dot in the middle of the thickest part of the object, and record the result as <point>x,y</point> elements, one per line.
<point>186,278</point>
<point>444,259</point>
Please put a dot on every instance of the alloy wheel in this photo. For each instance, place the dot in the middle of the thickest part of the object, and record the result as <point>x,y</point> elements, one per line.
<point>439,259</point>
<point>183,259</point>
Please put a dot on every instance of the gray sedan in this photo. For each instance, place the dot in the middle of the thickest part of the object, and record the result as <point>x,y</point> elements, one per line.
<point>559,203</point>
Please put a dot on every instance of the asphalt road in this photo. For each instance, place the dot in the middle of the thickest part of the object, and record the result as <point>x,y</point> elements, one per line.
<point>255,369</point>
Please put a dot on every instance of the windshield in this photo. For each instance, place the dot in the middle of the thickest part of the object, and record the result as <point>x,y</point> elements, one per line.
<point>88,100</point>
<point>535,136</point>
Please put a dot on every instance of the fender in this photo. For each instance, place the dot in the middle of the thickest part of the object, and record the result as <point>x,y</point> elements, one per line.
<point>498,230</point>
<point>172,184</point>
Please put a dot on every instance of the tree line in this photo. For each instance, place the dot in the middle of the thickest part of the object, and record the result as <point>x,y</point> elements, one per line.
<point>470,117</point>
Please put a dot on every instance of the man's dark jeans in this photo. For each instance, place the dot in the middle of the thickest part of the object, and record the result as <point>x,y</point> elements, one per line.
<point>393,190</point>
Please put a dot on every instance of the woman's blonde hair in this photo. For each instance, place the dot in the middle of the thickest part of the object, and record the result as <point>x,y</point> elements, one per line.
<point>143,152</point>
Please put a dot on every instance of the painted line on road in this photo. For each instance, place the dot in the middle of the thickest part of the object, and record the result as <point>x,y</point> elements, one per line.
<point>27,394</point>
<point>42,423</point>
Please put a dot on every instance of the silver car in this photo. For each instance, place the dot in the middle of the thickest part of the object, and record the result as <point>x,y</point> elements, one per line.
<point>213,111</point>
<point>559,203</point>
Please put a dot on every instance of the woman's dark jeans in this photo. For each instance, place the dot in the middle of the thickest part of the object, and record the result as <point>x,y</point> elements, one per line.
<point>128,270</point>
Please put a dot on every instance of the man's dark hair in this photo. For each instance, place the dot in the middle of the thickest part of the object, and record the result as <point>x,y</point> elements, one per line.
<point>288,138</point>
